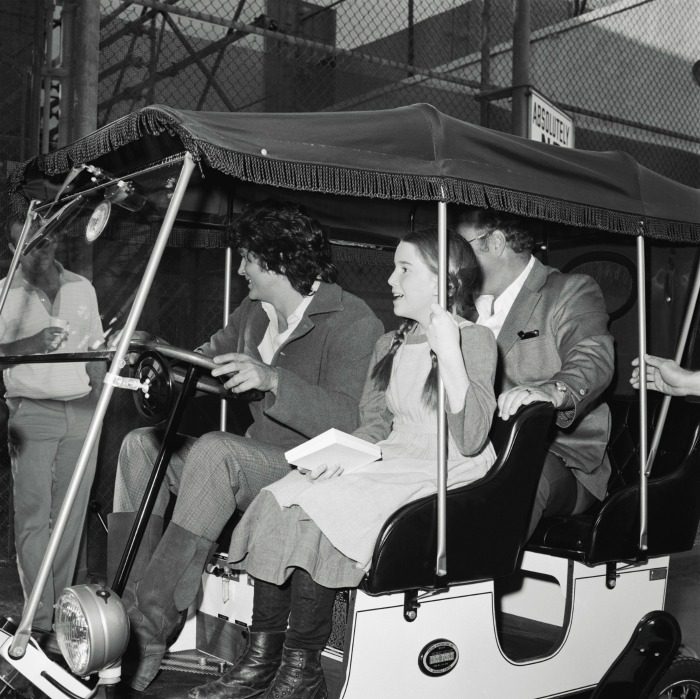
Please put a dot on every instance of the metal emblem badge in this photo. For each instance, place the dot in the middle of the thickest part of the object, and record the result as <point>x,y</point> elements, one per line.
<point>438,657</point>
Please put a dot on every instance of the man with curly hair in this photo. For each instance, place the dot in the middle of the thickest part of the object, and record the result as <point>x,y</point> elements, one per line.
<point>554,345</point>
<point>302,346</point>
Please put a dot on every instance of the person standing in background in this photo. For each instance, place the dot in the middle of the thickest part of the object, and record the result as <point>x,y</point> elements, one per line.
<point>50,408</point>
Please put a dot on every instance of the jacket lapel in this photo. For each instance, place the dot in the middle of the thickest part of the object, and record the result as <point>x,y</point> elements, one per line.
<point>326,300</point>
<point>518,318</point>
<point>254,332</point>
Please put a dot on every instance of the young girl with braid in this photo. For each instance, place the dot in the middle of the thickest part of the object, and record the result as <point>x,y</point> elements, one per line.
<point>302,537</point>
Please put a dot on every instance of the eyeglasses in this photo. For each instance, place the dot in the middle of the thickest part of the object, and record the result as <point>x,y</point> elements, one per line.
<point>478,237</point>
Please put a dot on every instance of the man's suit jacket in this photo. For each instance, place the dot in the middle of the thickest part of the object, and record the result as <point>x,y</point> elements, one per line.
<point>563,326</point>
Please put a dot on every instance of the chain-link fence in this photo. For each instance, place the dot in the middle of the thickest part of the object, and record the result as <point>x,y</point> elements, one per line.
<point>621,69</point>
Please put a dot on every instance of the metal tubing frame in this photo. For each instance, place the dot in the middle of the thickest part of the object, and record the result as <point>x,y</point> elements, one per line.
<point>199,62</point>
<point>643,409</point>
<point>680,349</point>
<point>521,67</point>
<point>23,633</point>
<point>441,550</point>
<point>160,467</point>
<point>221,53</point>
<point>166,162</point>
<point>228,270</point>
<point>52,220</point>
<point>326,49</point>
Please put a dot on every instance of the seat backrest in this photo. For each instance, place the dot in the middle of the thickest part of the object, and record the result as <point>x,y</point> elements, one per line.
<point>673,492</point>
<point>610,530</point>
<point>487,520</point>
<point>679,438</point>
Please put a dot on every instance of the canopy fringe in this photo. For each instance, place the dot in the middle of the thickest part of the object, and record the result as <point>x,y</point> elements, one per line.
<point>327,179</point>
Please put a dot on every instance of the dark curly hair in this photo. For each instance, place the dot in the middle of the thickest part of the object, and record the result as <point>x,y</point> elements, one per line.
<point>514,228</point>
<point>463,279</point>
<point>285,239</point>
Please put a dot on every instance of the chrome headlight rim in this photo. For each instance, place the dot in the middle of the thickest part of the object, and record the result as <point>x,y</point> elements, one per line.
<point>92,627</point>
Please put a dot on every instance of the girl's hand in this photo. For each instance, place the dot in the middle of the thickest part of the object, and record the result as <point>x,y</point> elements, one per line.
<point>324,472</point>
<point>443,331</point>
<point>444,338</point>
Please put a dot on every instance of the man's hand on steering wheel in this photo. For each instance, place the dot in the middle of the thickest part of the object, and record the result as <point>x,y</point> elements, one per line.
<point>245,373</point>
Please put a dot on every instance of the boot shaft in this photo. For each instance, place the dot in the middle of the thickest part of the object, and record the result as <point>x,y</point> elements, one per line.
<point>169,585</point>
<point>120,525</point>
<point>311,617</point>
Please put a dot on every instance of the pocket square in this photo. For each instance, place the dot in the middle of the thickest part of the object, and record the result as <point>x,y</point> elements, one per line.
<point>527,335</point>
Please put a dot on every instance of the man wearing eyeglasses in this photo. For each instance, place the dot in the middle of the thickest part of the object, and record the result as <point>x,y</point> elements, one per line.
<point>554,346</point>
<point>48,309</point>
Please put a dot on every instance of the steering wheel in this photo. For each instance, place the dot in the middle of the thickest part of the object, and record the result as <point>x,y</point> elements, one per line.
<point>157,368</point>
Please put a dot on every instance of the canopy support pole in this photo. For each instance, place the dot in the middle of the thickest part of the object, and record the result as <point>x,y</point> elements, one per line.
<point>642,348</point>
<point>441,550</point>
<point>228,270</point>
<point>680,349</point>
<point>18,647</point>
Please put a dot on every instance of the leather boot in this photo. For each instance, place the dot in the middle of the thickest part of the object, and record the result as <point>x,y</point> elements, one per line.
<point>119,525</point>
<point>169,585</point>
<point>251,674</point>
<point>300,676</point>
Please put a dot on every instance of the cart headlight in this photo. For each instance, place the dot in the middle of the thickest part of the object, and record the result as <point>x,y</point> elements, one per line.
<point>92,627</point>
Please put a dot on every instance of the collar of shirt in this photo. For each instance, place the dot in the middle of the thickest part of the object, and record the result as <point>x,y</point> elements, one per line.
<point>20,281</point>
<point>273,338</point>
<point>503,303</point>
<point>19,278</point>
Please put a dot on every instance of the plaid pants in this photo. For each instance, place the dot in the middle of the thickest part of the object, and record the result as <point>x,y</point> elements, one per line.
<point>211,475</point>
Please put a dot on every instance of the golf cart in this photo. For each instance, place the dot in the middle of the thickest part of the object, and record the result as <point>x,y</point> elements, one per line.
<point>457,602</point>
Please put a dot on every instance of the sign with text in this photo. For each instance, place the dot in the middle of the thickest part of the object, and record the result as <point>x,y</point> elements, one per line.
<point>547,123</point>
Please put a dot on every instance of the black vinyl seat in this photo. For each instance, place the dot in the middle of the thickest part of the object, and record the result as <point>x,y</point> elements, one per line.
<point>609,531</point>
<point>487,520</point>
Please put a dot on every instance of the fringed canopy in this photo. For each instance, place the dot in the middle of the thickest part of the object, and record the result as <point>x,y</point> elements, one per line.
<point>410,153</point>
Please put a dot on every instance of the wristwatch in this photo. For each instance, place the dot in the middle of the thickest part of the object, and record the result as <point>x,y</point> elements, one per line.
<point>564,390</point>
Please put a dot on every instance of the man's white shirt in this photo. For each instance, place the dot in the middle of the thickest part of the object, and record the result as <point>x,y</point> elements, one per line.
<point>273,338</point>
<point>500,307</point>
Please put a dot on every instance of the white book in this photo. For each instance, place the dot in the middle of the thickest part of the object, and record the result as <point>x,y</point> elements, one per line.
<point>330,448</point>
